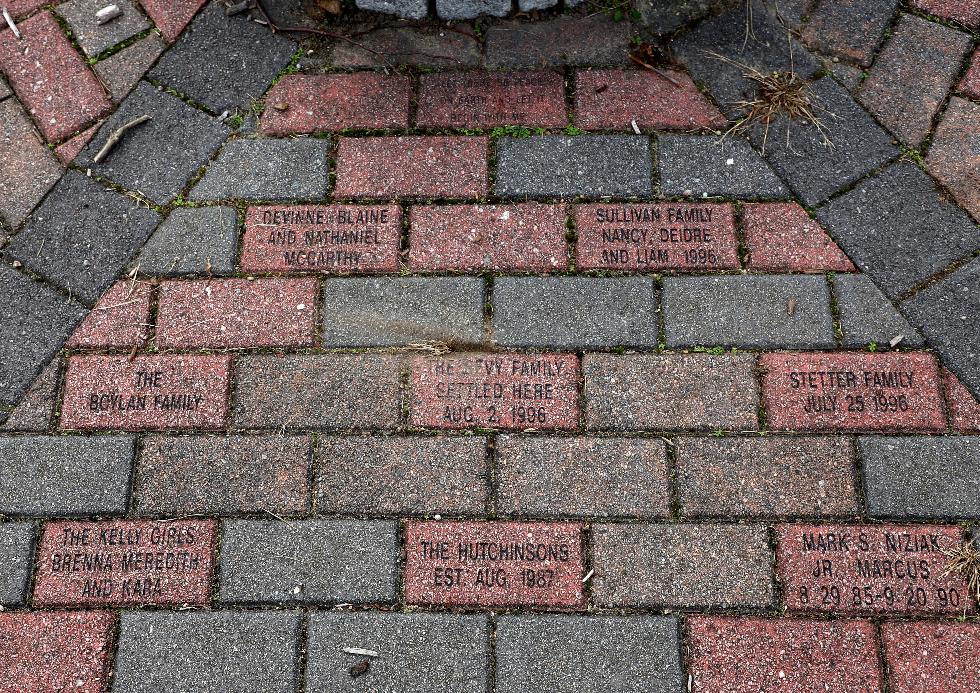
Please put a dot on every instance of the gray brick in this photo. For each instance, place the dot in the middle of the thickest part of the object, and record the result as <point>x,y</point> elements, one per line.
<point>34,412</point>
<point>401,475</point>
<point>65,476</point>
<point>922,478</point>
<point>392,311</point>
<point>218,652</point>
<point>94,38</point>
<point>310,561</point>
<point>764,311</point>
<point>419,652</point>
<point>666,16</point>
<point>895,227</point>
<point>470,9</point>
<point>16,552</point>
<point>707,166</point>
<point>273,169</point>
<point>561,166</point>
<point>422,46</point>
<point>566,40</point>
<point>121,71</point>
<point>588,654</point>
<point>531,5</point>
<point>199,240</point>
<point>28,169</point>
<point>688,566</point>
<point>866,314</point>
<point>575,312</point>
<point>409,9</point>
<point>851,29</point>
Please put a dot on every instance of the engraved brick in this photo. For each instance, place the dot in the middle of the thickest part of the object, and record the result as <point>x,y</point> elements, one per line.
<point>782,237</point>
<point>145,393</point>
<point>651,237</point>
<point>509,391</point>
<point>332,239</point>
<point>964,409</point>
<point>852,391</point>
<point>485,99</point>
<point>932,657</point>
<point>494,564</point>
<point>120,319</point>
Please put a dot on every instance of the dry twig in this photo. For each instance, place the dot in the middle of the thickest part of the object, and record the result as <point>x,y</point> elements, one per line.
<point>117,135</point>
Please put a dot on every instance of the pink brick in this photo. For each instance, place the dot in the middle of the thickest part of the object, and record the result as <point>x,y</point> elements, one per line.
<point>782,237</point>
<point>486,99</point>
<point>237,313</point>
<point>966,12</point>
<point>171,16</point>
<point>932,657</point>
<point>18,8</point>
<point>749,655</point>
<point>852,391</point>
<point>146,393</point>
<point>964,409</point>
<point>509,391</point>
<point>327,103</point>
<point>652,237</point>
<point>970,84</point>
<point>120,319</point>
<point>125,563</point>
<point>50,77</point>
<point>333,239</point>
<point>55,651</point>
<point>420,167</point>
<point>504,238</point>
<point>70,149</point>
<point>870,568</point>
<point>614,99</point>
<point>494,564</point>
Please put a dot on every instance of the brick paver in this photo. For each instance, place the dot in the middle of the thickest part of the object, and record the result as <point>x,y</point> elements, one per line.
<point>970,84</point>
<point>931,657</point>
<point>171,16</point>
<point>121,71</point>
<point>781,237</point>
<point>16,559</point>
<point>27,168</point>
<point>964,409</point>
<point>850,29</point>
<point>94,37</point>
<point>966,12</point>
<point>867,316</point>
<point>192,240</point>
<point>486,99</point>
<point>36,408</point>
<point>595,40</point>
<point>120,319</point>
<point>705,166</point>
<point>953,157</point>
<point>267,169</point>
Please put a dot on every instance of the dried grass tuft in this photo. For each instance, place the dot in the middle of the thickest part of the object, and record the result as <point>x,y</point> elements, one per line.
<point>434,348</point>
<point>965,560</point>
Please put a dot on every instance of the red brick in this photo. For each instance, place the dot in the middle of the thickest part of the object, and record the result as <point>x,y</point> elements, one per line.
<point>171,16</point>
<point>70,149</point>
<point>509,391</point>
<point>970,84</point>
<point>782,237</point>
<point>870,568</point>
<point>461,564</point>
<point>18,8</point>
<point>842,388</point>
<point>50,77</point>
<point>656,236</point>
<point>966,12</point>
<point>387,167</point>
<point>615,99</point>
<point>237,313</point>
<point>125,563</point>
<point>120,319</point>
<point>932,657</point>
<point>954,155</point>
<point>333,239</point>
<point>748,655</point>
<point>328,103</point>
<point>504,238</point>
<point>485,99</point>
<point>964,409</point>
<point>146,393</point>
<point>53,652</point>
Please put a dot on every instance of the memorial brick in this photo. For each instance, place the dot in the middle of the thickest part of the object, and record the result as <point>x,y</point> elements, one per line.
<point>486,99</point>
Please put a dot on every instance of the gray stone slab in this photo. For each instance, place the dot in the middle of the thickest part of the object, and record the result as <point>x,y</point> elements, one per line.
<point>121,71</point>
<point>850,29</point>
<point>223,62</point>
<point>34,412</point>
<point>418,653</point>
<point>156,158</point>
<point>593,39</point>
<point>470,9</point>
<point>392,311</point>
<point>922,478</point>
<point>784,311</point>
<point>409,9</point>
<point>273,169</point>
<point>16,558</point>
<point>574,312</point>
<point>309,561</point>
<point>65,475</point>
<point>94,38</point>
<point>707,166</point>
<point>563,166</point>
<point>80,238</point>
<point>192,240</point>
<point>866,314</point>
<point>588,654</point>
<point>34,322</point>
<point>896,228</point>
<point>217,652</point>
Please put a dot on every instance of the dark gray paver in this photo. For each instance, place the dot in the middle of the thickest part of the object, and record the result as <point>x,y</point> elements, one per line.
<point>848,75</point>
<point>896,228</point>
<point>418,653</point>
<point>57,475</point>
<point>666,16</point>
<point>851,29</point>
<point>192,240</point>
<point>392,311</point>
<point>568,40</point>
<point>270,169</point>
<point>814,170</point>
<point>217,652</point>
<point>223,62</point>
<point>155,159</point>
<point>574,312</point>
<point>35,409</point>
<point>4,89</point>
<point>703,166</point>
<point>866,314</point>
<point>410,9</point>
<point>94,38</point>
<point>16,552</point>
<point>470,9</point>
<point>121,71</point>
<point>922,478</point>
<point>766,311</point>
<point>422,46</point>
<point>588,654</point>
<point>28,169</point>
<point>269,561</point>
<point>34,322</point>
<point>563,166</point>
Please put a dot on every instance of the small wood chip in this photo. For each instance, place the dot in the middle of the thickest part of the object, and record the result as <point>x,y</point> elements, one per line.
<point>107,14</point>
<point>636,128</point>
<point>116,136</point>
<point>896,340</point>
<point>360,651</point>
<point>280,106</point>
<point>360,668</point>
<point>10,23</point>
<point>587,576</point>
<point>791,306</point>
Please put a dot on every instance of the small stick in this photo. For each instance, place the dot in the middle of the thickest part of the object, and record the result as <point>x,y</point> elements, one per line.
<point>107,14</point>
<point>10,23</point>
<point>360,651</point>
<point>118,135</point>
